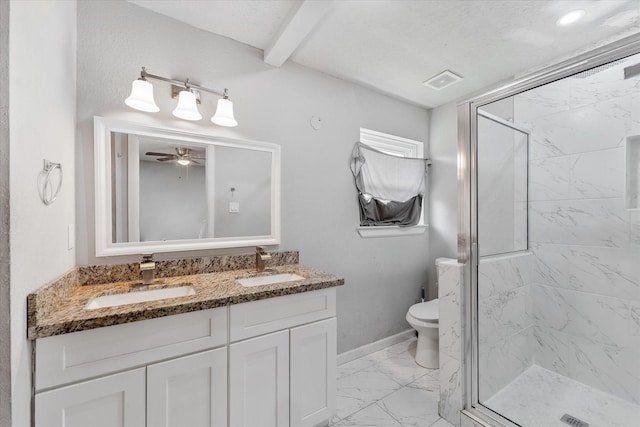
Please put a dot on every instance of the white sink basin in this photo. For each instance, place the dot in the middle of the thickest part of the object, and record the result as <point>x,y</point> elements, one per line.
<point>269,280</point>
<point>138,296</point>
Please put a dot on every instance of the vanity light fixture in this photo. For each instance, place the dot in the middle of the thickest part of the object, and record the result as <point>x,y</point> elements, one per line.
<point>141,98</point>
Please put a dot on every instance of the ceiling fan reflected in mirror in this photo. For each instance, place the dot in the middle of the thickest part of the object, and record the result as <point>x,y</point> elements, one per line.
<point>183,156</point>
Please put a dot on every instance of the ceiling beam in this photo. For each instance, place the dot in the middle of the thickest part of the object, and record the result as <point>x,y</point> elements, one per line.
<point>300,24</point>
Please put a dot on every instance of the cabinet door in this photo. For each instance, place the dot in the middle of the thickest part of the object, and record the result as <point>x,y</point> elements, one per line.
<point>313,373</point>
<point>259,381</point>
<point>113,401</point>
<point>188,391</point>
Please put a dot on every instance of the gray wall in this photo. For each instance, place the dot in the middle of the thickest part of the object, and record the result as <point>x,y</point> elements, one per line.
<point>443,208</point>
<point>249,172</point>
<point>319,209</point>
<point>173,201</point>
<point>42,126</point>
<point>5,270</point>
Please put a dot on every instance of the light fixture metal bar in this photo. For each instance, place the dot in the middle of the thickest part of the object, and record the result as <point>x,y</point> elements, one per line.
<point>185,84</point>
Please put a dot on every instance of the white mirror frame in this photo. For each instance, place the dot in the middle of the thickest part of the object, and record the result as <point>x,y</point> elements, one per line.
<point>103,217</point>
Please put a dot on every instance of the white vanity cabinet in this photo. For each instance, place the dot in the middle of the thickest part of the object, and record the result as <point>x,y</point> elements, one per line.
<point>285,376</point>
<point>112,376</point>
<point>187,391</point>
<point>266,363</point>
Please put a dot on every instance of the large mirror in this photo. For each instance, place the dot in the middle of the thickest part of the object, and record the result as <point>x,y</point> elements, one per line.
<point>162,190</point>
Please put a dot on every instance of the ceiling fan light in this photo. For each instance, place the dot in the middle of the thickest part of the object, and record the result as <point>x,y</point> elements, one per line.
<point>141,97</point>
<point>184,162</point>
<point>187,108</point>
<point>224,114</point>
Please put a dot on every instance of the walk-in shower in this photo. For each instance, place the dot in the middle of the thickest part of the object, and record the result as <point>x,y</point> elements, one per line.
<point>550,237</point>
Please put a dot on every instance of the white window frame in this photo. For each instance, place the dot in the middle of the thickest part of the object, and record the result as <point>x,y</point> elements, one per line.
<point>401,147</point>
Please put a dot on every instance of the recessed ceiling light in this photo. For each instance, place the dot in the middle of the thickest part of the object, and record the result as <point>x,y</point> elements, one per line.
<point>570,18</point>
<point>442,80</point>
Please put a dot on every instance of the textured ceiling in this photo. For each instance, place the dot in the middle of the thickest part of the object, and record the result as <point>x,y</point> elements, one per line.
<point>393,46</point>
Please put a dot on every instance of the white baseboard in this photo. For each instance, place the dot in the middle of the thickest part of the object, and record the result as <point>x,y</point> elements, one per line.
<point>350,355</point>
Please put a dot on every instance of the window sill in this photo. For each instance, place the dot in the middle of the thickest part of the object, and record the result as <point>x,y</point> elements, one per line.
<point>391,231</point>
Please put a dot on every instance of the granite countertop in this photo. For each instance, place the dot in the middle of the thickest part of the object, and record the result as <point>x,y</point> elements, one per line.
<point>59,307</point>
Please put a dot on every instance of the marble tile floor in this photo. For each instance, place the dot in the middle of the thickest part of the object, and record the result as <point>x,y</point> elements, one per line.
<point>539,397</point>
<point>388,389</point>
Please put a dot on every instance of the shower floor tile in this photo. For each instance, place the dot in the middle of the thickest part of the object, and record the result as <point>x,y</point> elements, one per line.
<point>539,397</point>
<point>388,388</point>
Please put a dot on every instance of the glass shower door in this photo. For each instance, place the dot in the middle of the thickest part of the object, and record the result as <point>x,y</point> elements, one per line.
<point>555,282</point>
<point>504,318</point>
<point>502,186</point>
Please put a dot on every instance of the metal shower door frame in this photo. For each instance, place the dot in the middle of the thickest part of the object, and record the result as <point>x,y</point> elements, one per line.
<point>467,244</point>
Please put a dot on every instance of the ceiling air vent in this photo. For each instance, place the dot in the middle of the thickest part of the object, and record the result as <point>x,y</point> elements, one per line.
<point>442,80</point>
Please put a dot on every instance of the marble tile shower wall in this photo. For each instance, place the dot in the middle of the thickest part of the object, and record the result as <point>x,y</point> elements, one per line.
<point>586,277</point>
<point>505,320</point>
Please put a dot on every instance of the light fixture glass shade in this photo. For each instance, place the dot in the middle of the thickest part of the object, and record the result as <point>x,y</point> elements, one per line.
<point>141,97</point>
<point>187,108</point>
<point>224,114</point>
<point>184,162</point>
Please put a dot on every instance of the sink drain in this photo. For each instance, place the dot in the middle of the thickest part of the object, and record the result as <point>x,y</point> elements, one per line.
<point>573,421</point>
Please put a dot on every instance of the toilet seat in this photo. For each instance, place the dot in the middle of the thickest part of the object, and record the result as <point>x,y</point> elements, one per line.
<point>426,311</point>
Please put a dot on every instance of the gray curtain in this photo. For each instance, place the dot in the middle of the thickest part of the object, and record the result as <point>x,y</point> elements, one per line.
<point>390,188</point>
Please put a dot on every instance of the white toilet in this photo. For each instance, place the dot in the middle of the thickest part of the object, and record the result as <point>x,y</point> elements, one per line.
<point>423,317</point>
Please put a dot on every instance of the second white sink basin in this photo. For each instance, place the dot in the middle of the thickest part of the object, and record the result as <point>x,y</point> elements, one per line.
<point>138,296</point>
<point>269,280</point>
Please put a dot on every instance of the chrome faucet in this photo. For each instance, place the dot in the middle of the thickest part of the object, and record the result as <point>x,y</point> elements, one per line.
<point>148,269</point>
<point>261,258</point>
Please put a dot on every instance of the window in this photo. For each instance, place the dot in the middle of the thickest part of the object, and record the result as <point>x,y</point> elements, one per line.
<point>401,147</point>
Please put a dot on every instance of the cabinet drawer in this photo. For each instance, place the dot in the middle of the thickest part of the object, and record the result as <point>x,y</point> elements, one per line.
<point>261,317</point>
<point>62,359</point>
